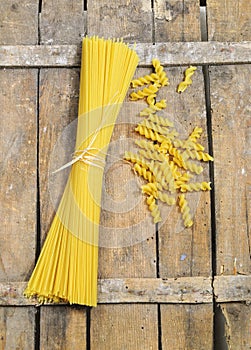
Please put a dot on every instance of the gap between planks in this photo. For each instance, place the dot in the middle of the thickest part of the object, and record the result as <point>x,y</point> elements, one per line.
<point>169,54</point>
<point>183,290</point>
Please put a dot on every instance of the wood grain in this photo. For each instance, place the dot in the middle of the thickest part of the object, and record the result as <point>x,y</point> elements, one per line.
<point>124,327</point>
<point>17,328</point>
<point>177,20</point>
<point>232,288</point>
<point>230,97</point>
<point>62,22</point>
<point>130,20</point>
<point>186,327</point>
<point>170,54</point>
<point>229,20</point>
<point>63,328</point>
<point>19,23</point>
<point>18,146</point>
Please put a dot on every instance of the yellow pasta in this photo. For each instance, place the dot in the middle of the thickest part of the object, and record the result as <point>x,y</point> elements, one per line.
<point>197,186</point>
<point>160,72</point>
<point>197,169</point>
<point>146,174</point>
<point>185,210</point>
<point>199,155</point>
<point>145,80</point>
<point>187,81</point>
<point>151,202</point>
<point>147,91</point>
<point>196,133</point>
<point>151,189</point>
<point>160,120</point>
<point>156,127</point>
<point>158,106</point>
<point>134,158</point>
<point>149,134</point>
<point>165,198</point>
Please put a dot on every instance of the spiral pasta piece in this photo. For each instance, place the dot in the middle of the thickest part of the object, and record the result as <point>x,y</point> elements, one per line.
<point>199,155</point>
<point>185,210</point>
<point>196,133</point>
<point>134,158</point>
<point>160,72</point>
<point>194,168</point>
<point>165,198</point>
<point>187,81</point>
<point>145,80</point>
<point>155,155</point>
<point>151,99</point>
<point>156,127</point>
<point>150,90</point>
<point>146,174</point>
<point>154,209</point>
<point>151,189</point>
<point>149,134</point>
<point>160,120</point>
<point>196,186</point>
<point>158,106</point>
<point>147,145</point>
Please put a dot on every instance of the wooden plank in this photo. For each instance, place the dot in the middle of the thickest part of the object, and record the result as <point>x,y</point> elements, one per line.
<point>192,290</point>
<point>187,327</point>
<point>17,328</point>
<point>186,251</point>
<point>62,22</point>
<point>130,327</point>
<point>130,20</point>
<point>18,173</point>
<point>229,20</point>
<point>63,328</point>
<point>19,23</point>
<point>231,124</point>
<point>237,325</point>
<point>177,20</point>
<point>232,288</point>
<point>170,54</point>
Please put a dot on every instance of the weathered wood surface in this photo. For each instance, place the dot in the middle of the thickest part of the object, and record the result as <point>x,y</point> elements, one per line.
<point>18,144</point>
<point>170,54</point>
<point>19,23</point>
<point>130,20</point>
<point>177,20</point>
<point>237,318</point>
<point>186,251</point>
<point>17,328</point>
<point>229,20</point>
<point>231,125</point>
<point>232,288</point>
<point>62,22</point>
<point>190,290</point>
<point>186,327</point>
<point>128,326</point>
<point>63,328</point>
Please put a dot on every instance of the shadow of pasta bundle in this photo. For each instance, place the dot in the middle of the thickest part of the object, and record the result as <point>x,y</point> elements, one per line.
<point>169,165</point>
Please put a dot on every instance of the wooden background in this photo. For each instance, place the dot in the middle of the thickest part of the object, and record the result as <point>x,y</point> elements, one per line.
<point>186,289</point>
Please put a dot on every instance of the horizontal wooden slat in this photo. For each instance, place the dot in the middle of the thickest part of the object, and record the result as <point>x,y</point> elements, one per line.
<point>232,288</point>
<point>182,290</point>
<point>170,54</point>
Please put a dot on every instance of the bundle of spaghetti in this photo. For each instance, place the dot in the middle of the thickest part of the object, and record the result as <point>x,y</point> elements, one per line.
<point>187,80</point>
<point>67,266</point>
<point>185,210</point>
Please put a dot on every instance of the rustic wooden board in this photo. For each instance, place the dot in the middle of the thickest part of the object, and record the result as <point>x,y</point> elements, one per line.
<point>170,54</point>
<point>63,328</point>
<point>232,288</point>
<point>19,23</point>
<point>130,20</point>
<point>231,123</point>
<point>121,327</point>
<point>17,328</point>
<point>237,325</point>
<point>18,146</point>
<point>177,20</point>
<point>187,327</point>
<point>229,20</point>
<point>62,22</point>
<point>186,251</point>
